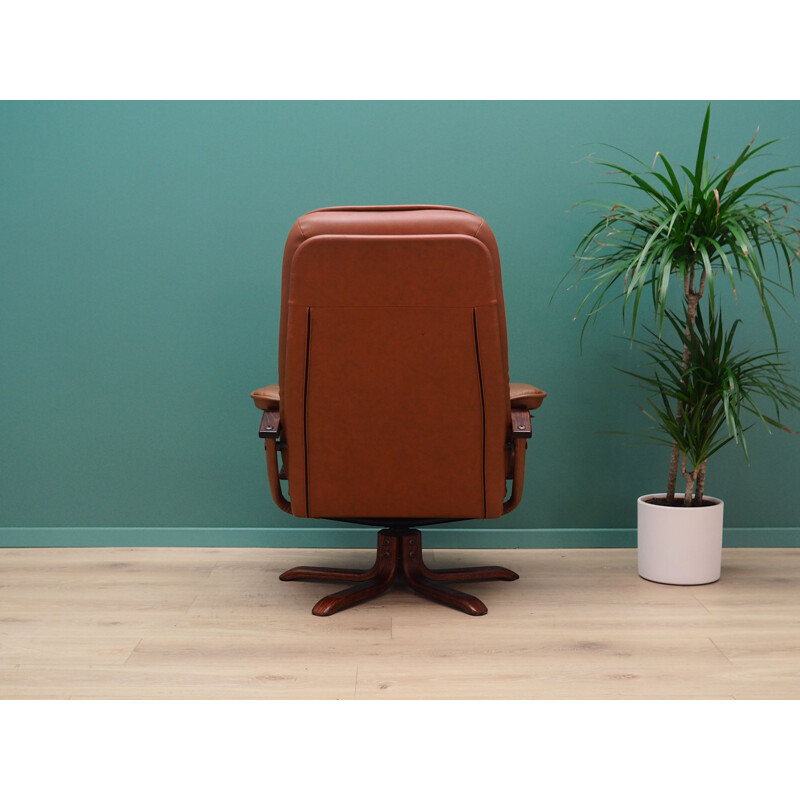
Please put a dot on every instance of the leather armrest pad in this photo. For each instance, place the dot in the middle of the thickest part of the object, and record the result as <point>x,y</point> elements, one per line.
<point>523,395</point>
<point>268,398</point>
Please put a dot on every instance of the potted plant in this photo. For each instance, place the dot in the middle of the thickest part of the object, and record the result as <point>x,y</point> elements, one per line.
<point>682,250</point>
<point>698,405</point>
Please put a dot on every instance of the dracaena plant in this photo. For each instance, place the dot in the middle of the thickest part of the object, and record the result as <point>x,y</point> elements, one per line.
<point>721,393</point>
<point>694,234</point>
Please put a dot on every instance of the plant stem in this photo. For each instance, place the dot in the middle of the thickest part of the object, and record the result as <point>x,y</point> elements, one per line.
<point>673,469</point>
<point>701,483</point>
<point>692,300</point>
<point>690,480</point>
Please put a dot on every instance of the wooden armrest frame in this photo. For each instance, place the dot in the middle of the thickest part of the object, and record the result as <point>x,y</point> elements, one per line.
<point>270,424</point>
<point>520,432</point>
<point>269,431</point>
<point>521,423</point>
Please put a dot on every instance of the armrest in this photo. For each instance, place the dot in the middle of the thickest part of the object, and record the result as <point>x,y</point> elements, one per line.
<point>524,399</point>
<point>268,398</point>
<point>523,395</point>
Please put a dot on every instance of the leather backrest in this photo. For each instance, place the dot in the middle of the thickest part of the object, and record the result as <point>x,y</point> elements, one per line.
<point>393,364</point>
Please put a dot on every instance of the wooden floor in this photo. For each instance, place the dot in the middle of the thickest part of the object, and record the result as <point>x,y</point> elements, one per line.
<point>217,623</point>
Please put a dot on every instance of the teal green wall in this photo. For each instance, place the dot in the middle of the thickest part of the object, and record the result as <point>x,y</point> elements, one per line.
<point>141,246</point>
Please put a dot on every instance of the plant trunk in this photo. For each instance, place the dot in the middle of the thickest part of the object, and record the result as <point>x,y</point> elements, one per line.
<point>691,477</point>
<point>687,497</point>
<point>673,470</point>
<point>692,300</point>
<point>701,483</point>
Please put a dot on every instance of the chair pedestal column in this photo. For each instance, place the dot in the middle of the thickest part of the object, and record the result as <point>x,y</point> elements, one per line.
<point>399,555</point>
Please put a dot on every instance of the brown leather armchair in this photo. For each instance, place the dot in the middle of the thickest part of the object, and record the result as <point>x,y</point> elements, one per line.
<point>393,406</point>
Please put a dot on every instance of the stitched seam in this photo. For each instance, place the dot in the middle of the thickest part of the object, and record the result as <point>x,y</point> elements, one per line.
<point>291,265</point>
<point>305,402</point>
<point>483,408</point>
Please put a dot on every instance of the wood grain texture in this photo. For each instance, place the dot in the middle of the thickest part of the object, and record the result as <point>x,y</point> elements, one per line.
<point>217,623</point>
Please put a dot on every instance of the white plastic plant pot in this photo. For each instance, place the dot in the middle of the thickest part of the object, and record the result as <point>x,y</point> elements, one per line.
<point>679,545</point>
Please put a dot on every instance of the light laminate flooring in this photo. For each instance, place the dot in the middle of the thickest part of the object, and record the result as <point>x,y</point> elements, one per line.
<point>217,623</point>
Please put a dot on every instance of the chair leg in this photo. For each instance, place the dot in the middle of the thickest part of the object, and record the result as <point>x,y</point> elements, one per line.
<point>385,551</point>
<point>468,574</point>
<point>329,574</point>
<point>414,572</point>
<point>383,574</point>
<point>457,574</point>
<point>399,551</point>
<point>461,601</point>
<point>352,596</point>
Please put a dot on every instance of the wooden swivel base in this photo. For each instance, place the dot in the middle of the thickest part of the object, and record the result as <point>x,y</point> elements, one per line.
<point>399,556</point>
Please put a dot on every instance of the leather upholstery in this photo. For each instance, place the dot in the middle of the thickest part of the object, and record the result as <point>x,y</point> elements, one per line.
<point>267,398</point>
<point>523,395</point>
<point>382,221</point>
<point>393,369</point>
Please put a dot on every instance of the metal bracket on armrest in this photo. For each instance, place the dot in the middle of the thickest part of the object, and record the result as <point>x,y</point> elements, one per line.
<point>270,425</point>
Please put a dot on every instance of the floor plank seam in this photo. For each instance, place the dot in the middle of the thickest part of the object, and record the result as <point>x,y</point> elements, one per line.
<point>130,655</point>
<point>720,651</point>
<point>703,605</point>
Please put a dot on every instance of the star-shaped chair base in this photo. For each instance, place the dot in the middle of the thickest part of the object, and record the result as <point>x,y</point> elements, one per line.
<point>399,555</point>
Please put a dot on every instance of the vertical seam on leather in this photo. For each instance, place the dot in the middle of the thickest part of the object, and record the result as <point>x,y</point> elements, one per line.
<point>305,403</point>
<point>483,408</point>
